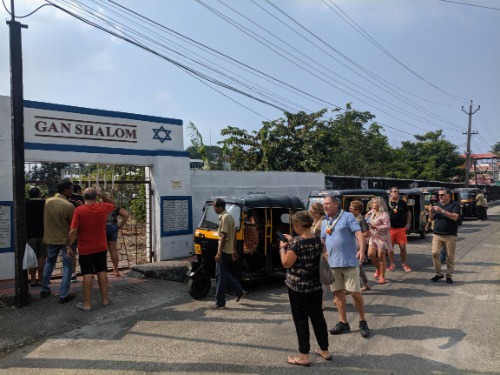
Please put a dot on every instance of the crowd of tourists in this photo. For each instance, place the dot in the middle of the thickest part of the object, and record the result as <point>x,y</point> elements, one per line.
<point>342,239</point>
<point>71,223</point>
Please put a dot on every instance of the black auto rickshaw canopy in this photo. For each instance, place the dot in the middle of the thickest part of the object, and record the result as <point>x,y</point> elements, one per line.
<point>266,201</point>
<point>348,195</point>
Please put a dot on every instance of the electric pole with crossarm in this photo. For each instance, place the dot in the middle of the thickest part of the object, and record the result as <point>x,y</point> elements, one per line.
<point>469,133</point>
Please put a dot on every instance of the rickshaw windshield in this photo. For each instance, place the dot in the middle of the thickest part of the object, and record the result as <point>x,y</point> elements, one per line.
<point>210,220</point>
<point>313,200</point>
<point>427,198</point>
<point>465,195</point>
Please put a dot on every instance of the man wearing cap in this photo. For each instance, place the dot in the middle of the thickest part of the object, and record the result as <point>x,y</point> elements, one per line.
<point>345,244</point>
<point>445,215</point>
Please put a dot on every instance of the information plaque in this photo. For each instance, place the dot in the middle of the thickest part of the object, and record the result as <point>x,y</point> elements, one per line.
<point>6,227</point>
<point>176,216</point>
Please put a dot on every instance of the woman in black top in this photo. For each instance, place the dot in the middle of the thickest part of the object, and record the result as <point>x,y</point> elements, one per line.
<point>300,256</point>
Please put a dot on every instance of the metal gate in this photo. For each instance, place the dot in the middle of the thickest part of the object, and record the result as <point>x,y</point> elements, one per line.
<point>129,186</point>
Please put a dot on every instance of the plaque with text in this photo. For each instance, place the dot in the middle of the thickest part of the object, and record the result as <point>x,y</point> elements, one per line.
<point>6,227</point>
<point>176,216</point>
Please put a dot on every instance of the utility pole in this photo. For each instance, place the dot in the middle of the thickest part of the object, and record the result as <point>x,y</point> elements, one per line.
<point>17,127</point>
<point>469,133</point>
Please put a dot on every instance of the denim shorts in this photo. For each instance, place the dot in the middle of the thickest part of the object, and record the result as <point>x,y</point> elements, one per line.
<point>111,232</point>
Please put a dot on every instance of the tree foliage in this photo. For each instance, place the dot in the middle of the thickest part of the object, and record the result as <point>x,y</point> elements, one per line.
<point>342,142</point>
<point>496,149</point>
<point>303,142</point>
<point>431,157</point>
<point>212,156</point>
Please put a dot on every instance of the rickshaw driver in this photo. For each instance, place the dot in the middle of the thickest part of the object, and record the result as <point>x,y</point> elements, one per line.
<point>226,251</point>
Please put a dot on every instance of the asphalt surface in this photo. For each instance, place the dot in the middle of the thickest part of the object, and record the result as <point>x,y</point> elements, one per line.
<point>153,326</point>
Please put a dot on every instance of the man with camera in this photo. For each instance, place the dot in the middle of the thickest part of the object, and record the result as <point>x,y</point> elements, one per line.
<point>445,215</point>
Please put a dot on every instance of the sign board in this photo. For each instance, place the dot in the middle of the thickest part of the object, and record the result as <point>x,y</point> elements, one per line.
<point>176,215</point>
<point>6,227</point>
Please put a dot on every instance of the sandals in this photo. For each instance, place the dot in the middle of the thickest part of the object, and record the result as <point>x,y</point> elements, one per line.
<point>295,361</point>
<point>79,306</point>
<point>366,287</point>
<point>325,357</point>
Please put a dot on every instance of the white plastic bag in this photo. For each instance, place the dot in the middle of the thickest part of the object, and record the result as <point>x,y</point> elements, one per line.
<point>29,259</point>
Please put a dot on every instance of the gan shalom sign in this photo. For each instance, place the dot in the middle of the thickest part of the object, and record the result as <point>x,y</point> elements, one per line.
<point>51,127</point>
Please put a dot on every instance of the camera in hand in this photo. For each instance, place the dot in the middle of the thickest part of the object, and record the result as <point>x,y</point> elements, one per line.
<point>281,237</point>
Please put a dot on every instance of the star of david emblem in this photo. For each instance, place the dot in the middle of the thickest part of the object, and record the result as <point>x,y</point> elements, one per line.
<point>162,134</point>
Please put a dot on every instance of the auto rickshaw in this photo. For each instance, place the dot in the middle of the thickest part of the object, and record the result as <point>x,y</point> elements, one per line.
<point>257,219</point>
<point>415,200</point>
<point>455,196</point>
<point>468,196</point>
<point>349,195</point>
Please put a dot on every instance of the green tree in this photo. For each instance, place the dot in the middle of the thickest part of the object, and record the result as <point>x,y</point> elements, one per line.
<point>343,144</point>
<point>431,157</point>
<point>138,205</point>
<point>357,147</point>
<point>47,171</point>
<point>286,144</point>
<point>496,149</point>
<point>212,156</point>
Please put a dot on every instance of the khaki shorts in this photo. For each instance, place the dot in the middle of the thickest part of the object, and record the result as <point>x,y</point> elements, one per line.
<point>346,278</point>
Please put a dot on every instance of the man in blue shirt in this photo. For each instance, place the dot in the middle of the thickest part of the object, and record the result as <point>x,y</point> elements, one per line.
<point>339,232</point>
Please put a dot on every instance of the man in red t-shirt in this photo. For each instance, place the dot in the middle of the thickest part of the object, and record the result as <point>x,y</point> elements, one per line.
<point>89,221</point>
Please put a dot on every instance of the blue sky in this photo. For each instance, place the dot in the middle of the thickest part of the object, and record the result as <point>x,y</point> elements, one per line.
<point>454,48</point>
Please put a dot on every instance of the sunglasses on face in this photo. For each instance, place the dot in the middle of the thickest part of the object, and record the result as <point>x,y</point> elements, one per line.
<point>442,195</point>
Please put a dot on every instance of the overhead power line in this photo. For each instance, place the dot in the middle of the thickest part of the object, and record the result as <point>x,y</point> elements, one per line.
<point>469,4</point>
<point>323,77</point>
<point>203,64</point>
<point>173,61</point>
<point>350,63</point>
<point>346,18</point>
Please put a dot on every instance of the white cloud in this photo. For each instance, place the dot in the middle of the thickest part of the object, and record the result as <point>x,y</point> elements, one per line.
<point>102,61</point>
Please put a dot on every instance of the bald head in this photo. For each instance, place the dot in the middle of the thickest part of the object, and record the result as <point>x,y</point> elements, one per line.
<point>90,194</point>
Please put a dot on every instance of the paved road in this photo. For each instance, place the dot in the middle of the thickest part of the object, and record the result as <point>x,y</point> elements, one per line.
<point>418,327</point>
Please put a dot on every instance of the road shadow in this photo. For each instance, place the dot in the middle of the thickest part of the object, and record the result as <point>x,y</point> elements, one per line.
<point>423,333</point>
<point>341,364</point>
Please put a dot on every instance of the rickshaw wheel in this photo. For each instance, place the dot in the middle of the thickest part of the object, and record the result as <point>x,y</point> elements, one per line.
<point>199,286</point>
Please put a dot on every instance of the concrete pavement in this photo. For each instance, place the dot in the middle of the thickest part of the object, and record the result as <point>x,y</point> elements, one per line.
<point>130,293</point>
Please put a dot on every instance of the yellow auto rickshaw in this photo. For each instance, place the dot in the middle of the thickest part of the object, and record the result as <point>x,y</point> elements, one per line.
<point>257,219</point>
<point>468,201</point>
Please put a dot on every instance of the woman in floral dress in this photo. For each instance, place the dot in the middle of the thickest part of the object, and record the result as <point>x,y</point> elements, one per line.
<point>380,241</point>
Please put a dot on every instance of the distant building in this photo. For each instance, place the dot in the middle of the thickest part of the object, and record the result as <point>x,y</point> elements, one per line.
<point>485,169</point>
<point>196,164</point>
